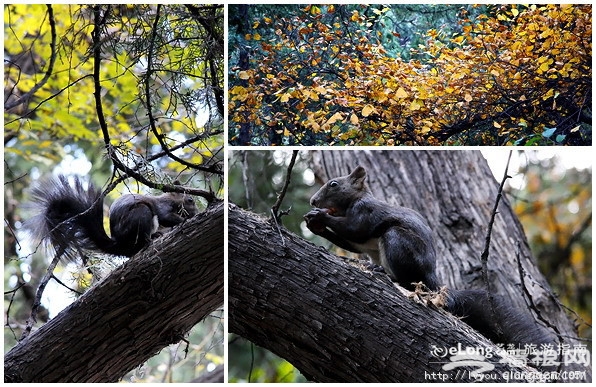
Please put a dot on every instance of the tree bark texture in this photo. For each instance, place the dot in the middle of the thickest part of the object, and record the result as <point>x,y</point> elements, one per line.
<point>334,321</point>
<point>149,302</point>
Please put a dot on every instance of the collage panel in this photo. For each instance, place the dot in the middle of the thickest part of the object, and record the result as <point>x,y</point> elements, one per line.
<point>114,193</point>
<point>410,74</point>
<point>409,265</point>
<point>350,193</point>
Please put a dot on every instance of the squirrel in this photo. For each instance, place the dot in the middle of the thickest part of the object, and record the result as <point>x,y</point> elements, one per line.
<point>399,239</point>
<point>71,217</point>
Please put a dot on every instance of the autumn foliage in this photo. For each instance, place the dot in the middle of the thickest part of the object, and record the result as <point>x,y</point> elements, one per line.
<point>518,75</point>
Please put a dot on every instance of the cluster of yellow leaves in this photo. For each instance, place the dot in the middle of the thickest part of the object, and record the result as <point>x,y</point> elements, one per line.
<point>65,105</point>
<point>521,69</point>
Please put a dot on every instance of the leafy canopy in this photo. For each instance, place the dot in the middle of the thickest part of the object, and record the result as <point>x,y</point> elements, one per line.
<point>512,75</point>
<point>160,79</point>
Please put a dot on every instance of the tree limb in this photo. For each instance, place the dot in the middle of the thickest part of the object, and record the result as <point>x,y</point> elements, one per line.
<point>302,303</point>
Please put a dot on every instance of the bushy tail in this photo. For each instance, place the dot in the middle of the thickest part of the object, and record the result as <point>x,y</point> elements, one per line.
<point>70,218</point>
<point>507,325</point>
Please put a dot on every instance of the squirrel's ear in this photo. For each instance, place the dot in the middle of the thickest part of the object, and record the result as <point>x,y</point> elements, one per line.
<point>358,174</point>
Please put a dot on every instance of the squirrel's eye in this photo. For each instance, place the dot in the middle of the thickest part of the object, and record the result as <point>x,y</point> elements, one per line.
<point>333,183</point>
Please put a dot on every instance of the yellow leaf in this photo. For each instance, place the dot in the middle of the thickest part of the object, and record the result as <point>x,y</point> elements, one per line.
<point>548,94</point>
<point>514,12</point>
<point>334,118</point>
<point>243,75</point>
<point>416,104</point>
<point>468,97</point>
<point>320,89</point>
<point>401,93</point>
<point>496,124</point>
<point>285,97</point>
<point>458,40</point>
<point>367,110</point>
<point>354,119</point>
<point>256,37</point>
<point>423,130</point>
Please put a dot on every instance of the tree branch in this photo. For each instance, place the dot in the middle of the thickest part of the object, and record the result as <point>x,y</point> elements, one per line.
<point>159,136</point>
<point>27,96</point>
<point>304,304</point>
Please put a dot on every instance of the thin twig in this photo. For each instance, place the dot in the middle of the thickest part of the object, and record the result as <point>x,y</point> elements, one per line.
<point>275,214</point>
<point>37,300</point>
<point>152,121</point>
<point>282,194</point>
<point>484,255</point>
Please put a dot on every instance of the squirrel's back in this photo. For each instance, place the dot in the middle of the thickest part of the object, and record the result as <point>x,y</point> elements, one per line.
<point>70,218</point>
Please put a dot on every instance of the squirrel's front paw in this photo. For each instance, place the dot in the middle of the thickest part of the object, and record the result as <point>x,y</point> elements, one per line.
<point>315,219</point>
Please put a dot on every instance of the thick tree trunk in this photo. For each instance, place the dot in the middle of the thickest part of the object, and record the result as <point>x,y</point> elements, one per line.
<point>339,323</point>
<point>146,304</point>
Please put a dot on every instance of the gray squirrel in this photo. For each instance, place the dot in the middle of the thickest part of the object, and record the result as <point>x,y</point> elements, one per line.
<point>399,239</point>
<point>70,217</point>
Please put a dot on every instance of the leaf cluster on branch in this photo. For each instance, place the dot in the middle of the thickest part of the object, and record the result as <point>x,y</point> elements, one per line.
<point>143,81</point>
<point>519,75</point>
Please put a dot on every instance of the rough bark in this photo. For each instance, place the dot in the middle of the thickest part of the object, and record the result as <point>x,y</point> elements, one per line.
<point>334,321</point>
<point>339,325</point>
<point>149,302</point>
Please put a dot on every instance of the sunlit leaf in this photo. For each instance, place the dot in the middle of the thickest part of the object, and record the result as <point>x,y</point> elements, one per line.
<point>401,93</point>
<point>368,110</point>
